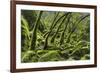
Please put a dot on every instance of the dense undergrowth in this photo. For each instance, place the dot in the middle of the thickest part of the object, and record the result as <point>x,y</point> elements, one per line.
<point>54,36</point>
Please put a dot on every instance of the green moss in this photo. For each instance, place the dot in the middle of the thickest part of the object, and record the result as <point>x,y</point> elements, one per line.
<point>54,36</point>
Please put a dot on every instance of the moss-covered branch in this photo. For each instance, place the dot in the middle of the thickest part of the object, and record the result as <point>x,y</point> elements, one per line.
<point>34,31</point>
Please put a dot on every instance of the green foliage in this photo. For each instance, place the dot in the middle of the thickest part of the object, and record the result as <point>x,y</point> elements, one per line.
<point>25,34</point>
<point>54,36</point>
<point>50,56</point>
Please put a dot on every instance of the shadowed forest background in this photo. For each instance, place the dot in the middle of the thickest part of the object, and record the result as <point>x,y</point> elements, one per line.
<point>54,36</point>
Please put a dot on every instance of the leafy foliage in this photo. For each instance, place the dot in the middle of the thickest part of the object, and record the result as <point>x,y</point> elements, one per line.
<point>54,36</point>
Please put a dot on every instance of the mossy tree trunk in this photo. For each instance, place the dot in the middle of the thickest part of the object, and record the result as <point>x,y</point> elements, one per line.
<point>62,34</point>
<point>52,27</point>
<point>34,31</point>
<point>75,27</point>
